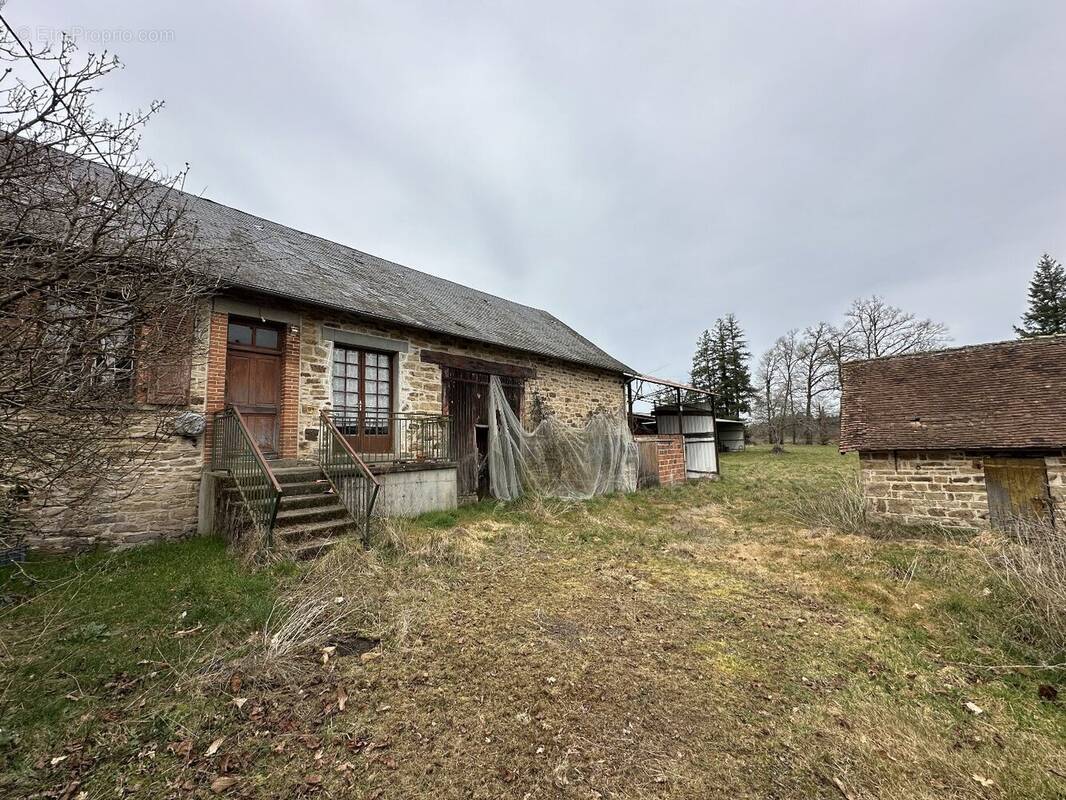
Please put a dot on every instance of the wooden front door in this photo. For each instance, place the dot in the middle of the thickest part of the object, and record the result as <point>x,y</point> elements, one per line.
<point>1017,491</point>
<point>253,379</point>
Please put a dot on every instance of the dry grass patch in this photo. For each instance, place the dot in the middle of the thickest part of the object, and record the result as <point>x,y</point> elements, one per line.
<point>682,643</point>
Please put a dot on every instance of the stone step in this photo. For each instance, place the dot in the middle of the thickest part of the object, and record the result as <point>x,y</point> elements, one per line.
<point>322,529</point>
<point>298,516</point>
<point>303,488</point>
<point>301,474</point>
<point>312,548</point>
<point>307,499</point>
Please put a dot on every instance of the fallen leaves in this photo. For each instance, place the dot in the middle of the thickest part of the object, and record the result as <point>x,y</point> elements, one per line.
<point>973,708</point>
<point>213,747</point>
<point>342,698</point>
<point>188,631</point>
<point>986,782</point>
<point>223,783</point>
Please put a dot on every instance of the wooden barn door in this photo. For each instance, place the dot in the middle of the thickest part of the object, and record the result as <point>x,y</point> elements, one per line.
<point>647,464</point>
<point>1017,490</point>
<point>466,401</point>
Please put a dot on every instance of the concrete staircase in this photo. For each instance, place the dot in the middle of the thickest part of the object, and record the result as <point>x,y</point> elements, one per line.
<point>311,518</point>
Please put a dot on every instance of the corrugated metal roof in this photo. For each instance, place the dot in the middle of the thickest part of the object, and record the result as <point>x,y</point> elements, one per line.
<point>1000,396</point>
<point>265,256</point>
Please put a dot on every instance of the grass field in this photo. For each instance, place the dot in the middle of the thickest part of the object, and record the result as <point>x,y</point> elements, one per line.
<point>693,642</point>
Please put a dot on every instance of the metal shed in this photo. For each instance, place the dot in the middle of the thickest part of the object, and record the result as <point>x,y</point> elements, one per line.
<point>697,424</point>
<point>730,435</point>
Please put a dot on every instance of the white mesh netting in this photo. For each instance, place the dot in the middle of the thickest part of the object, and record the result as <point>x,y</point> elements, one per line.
<point>556,460</point>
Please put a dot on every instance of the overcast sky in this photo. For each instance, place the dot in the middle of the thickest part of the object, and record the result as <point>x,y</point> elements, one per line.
<point>637,169</point>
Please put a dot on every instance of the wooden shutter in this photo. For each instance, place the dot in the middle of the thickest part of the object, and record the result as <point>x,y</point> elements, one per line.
<point>166,377</point>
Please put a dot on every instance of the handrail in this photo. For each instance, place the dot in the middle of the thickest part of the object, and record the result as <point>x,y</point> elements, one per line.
<point>381,436</point>
<point>359,491</point>
<point>257,452</point>
<point>235,451</point>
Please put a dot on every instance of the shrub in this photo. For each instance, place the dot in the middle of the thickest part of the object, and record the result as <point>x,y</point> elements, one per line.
<point>839,507</point>
<point>1030,557</point>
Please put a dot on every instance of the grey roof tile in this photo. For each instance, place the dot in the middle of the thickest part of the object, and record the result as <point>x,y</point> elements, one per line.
<point>262,255</point>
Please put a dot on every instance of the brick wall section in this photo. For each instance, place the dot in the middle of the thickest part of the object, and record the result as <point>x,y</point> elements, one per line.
<point>921,487</point>
<point>671,451</point>
<point>288,424</point>
<point>214,375</point>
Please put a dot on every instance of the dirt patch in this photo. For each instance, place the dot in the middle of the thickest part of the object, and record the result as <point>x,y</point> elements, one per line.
<point>351,644</point>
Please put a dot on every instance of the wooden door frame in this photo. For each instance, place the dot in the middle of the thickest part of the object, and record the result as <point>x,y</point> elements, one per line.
<point>1034,461</point>
<point>279,352</point>
<point>359,441</point>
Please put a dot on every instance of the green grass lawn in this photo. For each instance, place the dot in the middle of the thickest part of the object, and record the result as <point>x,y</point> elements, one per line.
<point>695,641</point>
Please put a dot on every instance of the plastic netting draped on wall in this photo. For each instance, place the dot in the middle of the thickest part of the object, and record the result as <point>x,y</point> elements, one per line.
<point>557,460</point>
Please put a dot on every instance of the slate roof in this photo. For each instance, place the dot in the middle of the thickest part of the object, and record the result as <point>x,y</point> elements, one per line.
<point>268,257</point>
<point>1000,396</point>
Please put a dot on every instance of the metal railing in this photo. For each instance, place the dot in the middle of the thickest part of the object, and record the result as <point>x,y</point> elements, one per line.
<point>396,437</point>
<point>234,450</point>
<point>351,479</point>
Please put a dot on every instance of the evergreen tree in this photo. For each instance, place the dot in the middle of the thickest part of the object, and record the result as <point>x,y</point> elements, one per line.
<point>703,365</point>
<point>1047,301</point>
<point>735,389</point>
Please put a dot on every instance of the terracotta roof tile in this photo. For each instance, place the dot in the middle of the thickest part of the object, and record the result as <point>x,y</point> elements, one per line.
<point>1001,396</point>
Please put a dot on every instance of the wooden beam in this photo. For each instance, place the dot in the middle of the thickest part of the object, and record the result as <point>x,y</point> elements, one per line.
<point>477,364</point>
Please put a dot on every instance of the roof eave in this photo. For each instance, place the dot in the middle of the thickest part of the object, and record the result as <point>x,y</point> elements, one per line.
<point>620,369</point>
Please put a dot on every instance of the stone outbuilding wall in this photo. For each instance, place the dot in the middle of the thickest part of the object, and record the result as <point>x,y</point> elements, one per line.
<point>945,488</point>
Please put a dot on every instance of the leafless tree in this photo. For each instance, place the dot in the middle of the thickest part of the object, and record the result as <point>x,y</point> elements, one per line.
<point>100,280</point>
<point>788,359</point>
<point>817,374</point>
<point>872,328</point>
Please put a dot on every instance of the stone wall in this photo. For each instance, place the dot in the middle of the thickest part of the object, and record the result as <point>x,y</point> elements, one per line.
<point>155,500</point>
<point>160,500</point>
<point>151,501</point>
<point>570,392</point>
<point>942,487</point>
<point>946,488</point>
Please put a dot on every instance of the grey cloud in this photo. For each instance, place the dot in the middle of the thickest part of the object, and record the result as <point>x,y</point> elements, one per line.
<point>638,169</point>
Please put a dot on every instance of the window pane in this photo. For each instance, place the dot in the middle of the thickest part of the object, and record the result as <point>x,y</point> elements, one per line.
<point>239,334</point>
<point>353,356</point>
<point>338,384</point>
<point>266,337</point>
<point>352,385</point>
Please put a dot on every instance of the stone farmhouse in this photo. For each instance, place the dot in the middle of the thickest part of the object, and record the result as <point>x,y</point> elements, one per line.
<point>326,382</point>
<point>972,437</point>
